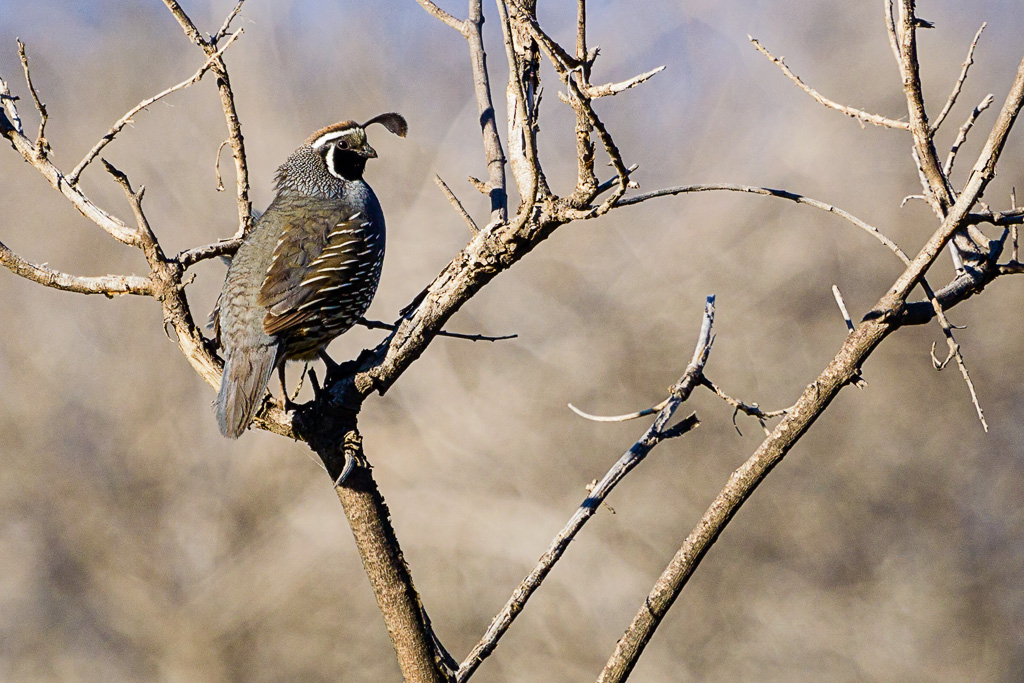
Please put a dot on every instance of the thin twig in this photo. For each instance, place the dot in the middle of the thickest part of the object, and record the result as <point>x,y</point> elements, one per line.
<point>227,101</point>
<point>959,81</point>
<point>961,136</point>
<point>522,136</point>
<point>472,30</point>
<point>127,118</point>
<point>619,418</point>
<point>190,257</point>
<point>443,16</point>
<point>115,227</point>
<point>1013,229</point>
<point>8,101</point>
<point>769,192</point>
<point>216,164</point>
<point>379,325</point>
<point>614,182</point>
<point>852,112</point>
<point>749,409</point>
<point>108,285</point>
<point>890,26</point>
<point>954,353</point>
<point>842,308</point>
<point>226,26</point>
<point>579,98</point>
<point>459,208</point>
<point>595,91</point>
<point>147,239</point>
<point>41,145</point>
<point>629,460</point>
<point>494,155</point>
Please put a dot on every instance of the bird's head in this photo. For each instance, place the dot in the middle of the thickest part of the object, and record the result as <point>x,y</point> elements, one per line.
<point>344,148</point>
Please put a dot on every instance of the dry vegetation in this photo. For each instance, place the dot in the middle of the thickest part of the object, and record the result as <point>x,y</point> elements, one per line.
<point>135,544</point>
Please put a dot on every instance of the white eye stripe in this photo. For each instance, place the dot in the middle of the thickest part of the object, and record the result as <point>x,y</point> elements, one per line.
<point>331,162</point>
<point>333,135</point>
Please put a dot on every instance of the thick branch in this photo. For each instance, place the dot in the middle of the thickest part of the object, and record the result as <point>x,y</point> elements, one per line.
<point>919,127</point>
<point>493,153</point>
<point>334,437</point>
<point>523,82</point>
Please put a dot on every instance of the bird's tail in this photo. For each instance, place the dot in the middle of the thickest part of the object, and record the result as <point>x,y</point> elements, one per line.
<point>246,374</point>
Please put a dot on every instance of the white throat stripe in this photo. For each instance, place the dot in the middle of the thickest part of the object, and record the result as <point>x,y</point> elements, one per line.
<point>331,161</point>
<point>333,135</point>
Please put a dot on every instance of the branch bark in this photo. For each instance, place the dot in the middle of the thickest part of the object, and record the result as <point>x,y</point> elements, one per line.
<point>882,321</point>
<point>654,435</point>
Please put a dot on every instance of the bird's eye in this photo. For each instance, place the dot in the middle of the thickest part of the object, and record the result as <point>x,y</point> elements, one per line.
<point>343,144</point>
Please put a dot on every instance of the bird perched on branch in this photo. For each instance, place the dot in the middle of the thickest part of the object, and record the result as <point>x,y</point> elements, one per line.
<point>306,272</point>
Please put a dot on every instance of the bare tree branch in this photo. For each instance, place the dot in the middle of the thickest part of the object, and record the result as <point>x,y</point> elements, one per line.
<point>108,285</point>
<point>227,99</point>
<point>127,118</point>
<point>10,118</point>
<point>922,131</point>
<point>749,409</point>
<point>520,93</point>
<point>844,367</point>
<point>842,308</point>
<point>41,145</point>
<point>112,225</point>
<point>226,26</point>
<point>769,192</point>
<point>958,86</point>
<point>472,30</point>
<point>443,16</point>
<point>494,155</point>
<point>454,201</point>
<point>629,460</point>
<point>852,112</point>
<point>961,136</point>
<point>190,257</point>
<point>378,325</point>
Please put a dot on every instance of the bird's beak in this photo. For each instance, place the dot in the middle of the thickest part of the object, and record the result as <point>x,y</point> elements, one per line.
<point>367,152</point>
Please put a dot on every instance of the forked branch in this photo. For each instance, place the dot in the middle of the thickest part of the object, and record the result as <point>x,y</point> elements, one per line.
<point>656,433</point>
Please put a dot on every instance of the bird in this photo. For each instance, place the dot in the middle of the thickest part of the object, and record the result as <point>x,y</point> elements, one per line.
<point>306,271</point>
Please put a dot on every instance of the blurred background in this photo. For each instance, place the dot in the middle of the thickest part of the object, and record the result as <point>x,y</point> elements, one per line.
<point>136,544</point>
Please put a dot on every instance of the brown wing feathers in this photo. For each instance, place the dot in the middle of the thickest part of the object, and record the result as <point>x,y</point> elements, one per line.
<point>312,272</point>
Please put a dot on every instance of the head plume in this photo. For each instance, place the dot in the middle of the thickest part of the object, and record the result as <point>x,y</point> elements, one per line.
<point>392,121</point>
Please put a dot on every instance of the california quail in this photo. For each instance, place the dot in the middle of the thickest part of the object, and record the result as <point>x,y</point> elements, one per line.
<point>306,272</point>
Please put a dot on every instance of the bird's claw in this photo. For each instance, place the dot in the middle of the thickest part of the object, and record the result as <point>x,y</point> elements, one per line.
<point>353,458</point>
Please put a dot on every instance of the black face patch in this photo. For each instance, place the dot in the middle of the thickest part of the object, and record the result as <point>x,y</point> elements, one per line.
<point>343,162</point>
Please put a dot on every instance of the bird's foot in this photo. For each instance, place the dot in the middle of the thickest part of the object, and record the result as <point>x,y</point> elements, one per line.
<point>315,383</point>
<point>353,459</point>
<point>332,367</point>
